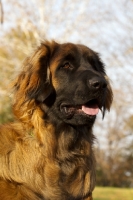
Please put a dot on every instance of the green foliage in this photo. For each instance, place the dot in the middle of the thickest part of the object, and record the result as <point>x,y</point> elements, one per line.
<point>110,193</point>
<point>116,171</point>
<point>6,111</point>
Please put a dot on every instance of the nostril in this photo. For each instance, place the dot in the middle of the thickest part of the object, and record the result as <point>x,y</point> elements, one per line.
<point>95,84</point>
<point>98,83</point>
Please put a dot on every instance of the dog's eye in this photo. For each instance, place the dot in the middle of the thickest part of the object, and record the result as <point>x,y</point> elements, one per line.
<point>66,65</point>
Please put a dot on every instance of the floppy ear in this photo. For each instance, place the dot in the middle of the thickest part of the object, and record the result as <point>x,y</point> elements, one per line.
<point>40,86</point>
<point>34,81</point>
<point>33,84</point>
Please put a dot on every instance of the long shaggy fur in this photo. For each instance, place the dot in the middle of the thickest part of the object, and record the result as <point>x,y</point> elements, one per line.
<point>45,155</point>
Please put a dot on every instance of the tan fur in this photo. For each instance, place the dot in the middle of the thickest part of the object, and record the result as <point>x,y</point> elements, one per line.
<point>33,153</point>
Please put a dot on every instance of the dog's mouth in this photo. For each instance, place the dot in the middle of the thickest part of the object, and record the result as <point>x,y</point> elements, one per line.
<point>91,108</point>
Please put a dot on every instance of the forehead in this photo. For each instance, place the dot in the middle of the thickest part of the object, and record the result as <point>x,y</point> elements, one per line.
<point>73,49</point>
<point>71,52</point>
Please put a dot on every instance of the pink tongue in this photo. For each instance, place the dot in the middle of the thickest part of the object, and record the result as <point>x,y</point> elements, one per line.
<point>92,110</point>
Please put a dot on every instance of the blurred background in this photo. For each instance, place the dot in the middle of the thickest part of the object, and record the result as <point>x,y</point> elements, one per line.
<point>106,27</point>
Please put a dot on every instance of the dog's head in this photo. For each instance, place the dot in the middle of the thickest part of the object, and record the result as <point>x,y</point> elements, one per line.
<point>64,83</point>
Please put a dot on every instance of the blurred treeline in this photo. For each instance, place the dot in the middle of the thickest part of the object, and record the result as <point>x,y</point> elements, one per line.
<point>106,28</point>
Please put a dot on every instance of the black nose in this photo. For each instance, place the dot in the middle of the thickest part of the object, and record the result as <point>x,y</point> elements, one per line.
<point>97,83</point>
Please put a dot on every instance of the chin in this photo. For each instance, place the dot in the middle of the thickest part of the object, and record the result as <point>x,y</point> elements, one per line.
<point>77,120</point>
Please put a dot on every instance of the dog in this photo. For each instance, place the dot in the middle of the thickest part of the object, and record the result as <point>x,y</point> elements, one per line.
<point>47,153</point>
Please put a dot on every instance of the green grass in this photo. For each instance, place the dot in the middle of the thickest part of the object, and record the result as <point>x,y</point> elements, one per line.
<point>110,193</point>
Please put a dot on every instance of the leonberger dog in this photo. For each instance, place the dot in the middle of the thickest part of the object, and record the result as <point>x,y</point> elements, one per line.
<point>47,154</point>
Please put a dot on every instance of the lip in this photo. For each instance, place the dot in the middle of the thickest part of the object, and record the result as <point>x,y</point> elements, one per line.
<point>90,108</point>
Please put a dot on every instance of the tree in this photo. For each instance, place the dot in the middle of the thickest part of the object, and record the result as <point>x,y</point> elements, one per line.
<point>115,156</point>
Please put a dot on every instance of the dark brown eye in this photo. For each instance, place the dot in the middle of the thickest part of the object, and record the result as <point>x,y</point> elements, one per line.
<point>66,65</point>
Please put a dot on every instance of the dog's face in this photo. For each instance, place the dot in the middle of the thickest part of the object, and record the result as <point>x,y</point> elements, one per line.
<point>67,81</point>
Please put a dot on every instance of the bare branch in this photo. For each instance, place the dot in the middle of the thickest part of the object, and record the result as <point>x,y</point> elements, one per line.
<point>1,13</point>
